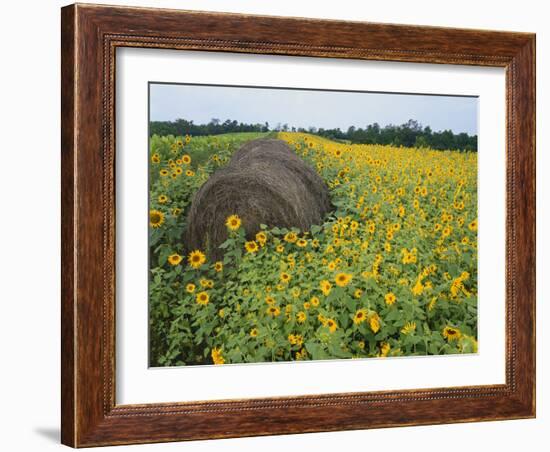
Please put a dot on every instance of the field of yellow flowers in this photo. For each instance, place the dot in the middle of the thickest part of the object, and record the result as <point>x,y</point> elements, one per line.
<point>391,272</point>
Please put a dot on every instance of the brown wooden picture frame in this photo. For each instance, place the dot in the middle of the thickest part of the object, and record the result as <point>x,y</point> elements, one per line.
<point>90,35</point>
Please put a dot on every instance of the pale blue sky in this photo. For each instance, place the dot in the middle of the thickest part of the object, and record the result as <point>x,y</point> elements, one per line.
<point>304,108</point>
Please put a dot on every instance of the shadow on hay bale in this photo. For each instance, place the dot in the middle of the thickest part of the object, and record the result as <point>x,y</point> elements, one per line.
<point>264,183</point>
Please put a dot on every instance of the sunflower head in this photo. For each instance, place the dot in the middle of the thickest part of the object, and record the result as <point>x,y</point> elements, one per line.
<point>156,218</point>
<point>217,356</point>
<point>390,298</point>
<point>203,298</point>
<point>374,323</point>
<point>196,258</point>
<point>174,259</point>
<point>325,287</point>
<point>384,349</point>
<point>251,246</point>
<point>451,334</point>
<point>190,287</point>
<point>342,279</point>
<point>291,237</point>
<point>273,311</point>
<point>360,316</point>
<point>233,222</point>
<point>332,325</point>
<point>261,237</point>
<point>409,328</point>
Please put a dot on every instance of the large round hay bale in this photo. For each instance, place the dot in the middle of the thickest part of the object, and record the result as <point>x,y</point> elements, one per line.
<point>264,183</point>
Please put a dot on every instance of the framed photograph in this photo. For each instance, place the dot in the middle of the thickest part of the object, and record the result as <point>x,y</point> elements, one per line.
<point>266,231</point>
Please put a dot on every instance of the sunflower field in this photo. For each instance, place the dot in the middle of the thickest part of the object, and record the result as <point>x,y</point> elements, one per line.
<point>391,272</point>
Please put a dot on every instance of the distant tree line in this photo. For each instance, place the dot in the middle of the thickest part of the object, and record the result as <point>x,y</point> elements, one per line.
<point>410,134</point>
<point>214,127</point>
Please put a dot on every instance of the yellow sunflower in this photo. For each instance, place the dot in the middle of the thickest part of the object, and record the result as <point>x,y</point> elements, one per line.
<point>251,246</point>
<point>342,279</point>
<point>233,222</point>
<point>451,334</point>
<point>203,298</point>
<point>291,237</point>
<point>384,349</point>
<point>409,328</point>
<point>217,356</point>
<point>301,243</point>
<point>174,259</point>
<point>273,311</point>
<point>360,316</point>
<point>261,237</point>
<point>390,298</point>
<point>196,258</point>
<point>374,323</point>
<point>156,218</point>
<point>332,325</point>
<point>326,287</point>
<point>446,231</point>
<point>190,287</point>
<point>301,317</point>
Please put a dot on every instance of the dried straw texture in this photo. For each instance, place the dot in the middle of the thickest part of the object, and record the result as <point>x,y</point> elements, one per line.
<point>264,183</point>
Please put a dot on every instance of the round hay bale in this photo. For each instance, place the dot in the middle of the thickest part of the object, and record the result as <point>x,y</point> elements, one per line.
<point>264,183</point>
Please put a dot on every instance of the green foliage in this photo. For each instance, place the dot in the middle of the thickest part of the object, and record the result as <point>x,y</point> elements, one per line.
<point>409,134</point>
<point>404,225</point>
